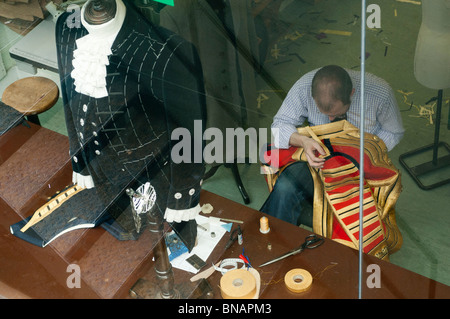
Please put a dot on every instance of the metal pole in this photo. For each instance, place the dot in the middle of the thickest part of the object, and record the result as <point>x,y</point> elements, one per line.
<point>361,144</point>
<point>436,128</point>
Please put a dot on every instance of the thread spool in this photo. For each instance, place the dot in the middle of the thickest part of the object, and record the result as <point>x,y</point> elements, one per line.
<point>298,280</point>
<point>264,225</point>
<point>238,284</point>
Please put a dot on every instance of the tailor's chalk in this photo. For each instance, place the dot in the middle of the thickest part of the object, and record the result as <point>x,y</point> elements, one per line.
<point>228,226</point>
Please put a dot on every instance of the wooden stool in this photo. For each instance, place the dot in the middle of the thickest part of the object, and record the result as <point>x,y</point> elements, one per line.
<point>31,96</point>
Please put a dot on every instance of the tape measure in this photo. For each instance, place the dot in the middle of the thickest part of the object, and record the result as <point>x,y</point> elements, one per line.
<point>298,280</point>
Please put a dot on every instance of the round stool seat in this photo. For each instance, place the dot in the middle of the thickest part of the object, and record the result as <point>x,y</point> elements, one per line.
<point>31,95</point>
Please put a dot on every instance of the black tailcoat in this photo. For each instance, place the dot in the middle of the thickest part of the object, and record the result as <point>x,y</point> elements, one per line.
<point>154,83</point>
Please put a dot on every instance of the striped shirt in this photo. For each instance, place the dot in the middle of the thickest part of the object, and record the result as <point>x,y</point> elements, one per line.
<point>382,116</point>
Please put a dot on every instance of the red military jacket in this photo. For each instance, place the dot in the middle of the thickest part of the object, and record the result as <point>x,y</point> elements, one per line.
<point>336,187</point>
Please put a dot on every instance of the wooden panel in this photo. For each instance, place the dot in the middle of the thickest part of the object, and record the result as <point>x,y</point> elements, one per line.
<point>13,139</point>
<point>37,166</point>
<point>33,271</point>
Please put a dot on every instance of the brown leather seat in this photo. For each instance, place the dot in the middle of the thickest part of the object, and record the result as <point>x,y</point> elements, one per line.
<point>31,96</point>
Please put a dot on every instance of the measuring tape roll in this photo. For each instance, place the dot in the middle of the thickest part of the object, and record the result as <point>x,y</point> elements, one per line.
<point>229,264</point>
<point>238,284</point>
<point>298,280</point>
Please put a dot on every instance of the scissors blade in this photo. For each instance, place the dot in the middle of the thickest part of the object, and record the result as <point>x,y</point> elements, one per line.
<point>277,259</point>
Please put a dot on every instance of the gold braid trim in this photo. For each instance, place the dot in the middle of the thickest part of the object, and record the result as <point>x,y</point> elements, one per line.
<point>51,206</point>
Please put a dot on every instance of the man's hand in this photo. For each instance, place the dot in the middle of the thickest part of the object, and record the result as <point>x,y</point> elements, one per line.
<point>312,149</point>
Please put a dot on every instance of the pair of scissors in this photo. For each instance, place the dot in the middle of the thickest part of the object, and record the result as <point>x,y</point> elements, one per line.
<point>311,241</point>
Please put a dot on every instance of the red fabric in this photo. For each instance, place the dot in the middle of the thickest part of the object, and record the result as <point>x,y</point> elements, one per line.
<point>278,157</point>
<point>351,201</point>
<point>351,181</point>
<point>370,171</point>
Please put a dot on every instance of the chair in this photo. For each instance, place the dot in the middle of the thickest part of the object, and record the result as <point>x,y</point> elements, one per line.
<point>31,96</point>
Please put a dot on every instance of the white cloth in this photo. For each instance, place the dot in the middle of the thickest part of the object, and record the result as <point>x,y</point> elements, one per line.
<point>84,181</point>
<point>182,215</point>
<point>91,55</point>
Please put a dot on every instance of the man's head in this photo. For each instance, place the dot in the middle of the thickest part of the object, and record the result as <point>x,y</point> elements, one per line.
<point>332,89</point>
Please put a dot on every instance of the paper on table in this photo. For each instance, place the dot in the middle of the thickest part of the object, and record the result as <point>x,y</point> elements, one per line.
<point>205,244</point>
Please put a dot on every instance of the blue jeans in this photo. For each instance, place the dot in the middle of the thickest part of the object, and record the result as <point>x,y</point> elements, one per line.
<point>292,196</point>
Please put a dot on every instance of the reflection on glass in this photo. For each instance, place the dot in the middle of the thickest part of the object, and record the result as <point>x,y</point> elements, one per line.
<point>241,63</point>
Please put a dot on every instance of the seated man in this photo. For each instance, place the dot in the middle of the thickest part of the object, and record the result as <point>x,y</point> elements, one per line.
<point>320,97</point>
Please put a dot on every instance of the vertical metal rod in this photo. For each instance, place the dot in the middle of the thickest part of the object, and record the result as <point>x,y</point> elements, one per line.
<point>436,128</point>
<point>361,143</point>
<point>163,267</point>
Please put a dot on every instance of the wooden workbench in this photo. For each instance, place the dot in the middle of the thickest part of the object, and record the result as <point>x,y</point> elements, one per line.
<point>34,163</point>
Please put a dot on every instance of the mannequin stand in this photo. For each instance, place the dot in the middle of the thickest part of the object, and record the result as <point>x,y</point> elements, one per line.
<point>164,287</point>
<point>161,283</point>
<point>437,163</point>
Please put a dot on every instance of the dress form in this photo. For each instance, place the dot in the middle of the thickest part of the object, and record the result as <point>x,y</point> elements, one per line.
<point>432,70</point>
<point>121,104</point>
<point>432,58</point>
<point>99,11</point>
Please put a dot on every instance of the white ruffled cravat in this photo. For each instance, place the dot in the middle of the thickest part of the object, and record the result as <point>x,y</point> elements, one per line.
<point>90,59</point>
<point>91,55</point>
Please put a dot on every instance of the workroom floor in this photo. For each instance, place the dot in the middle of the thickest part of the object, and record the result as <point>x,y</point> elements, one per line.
<point>423,216</point>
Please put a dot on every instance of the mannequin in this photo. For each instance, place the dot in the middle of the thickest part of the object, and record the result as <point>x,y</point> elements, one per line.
<point>432,69</point>
<point>99,11</point>
<point>432,58</point>
<point>126,84</point>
